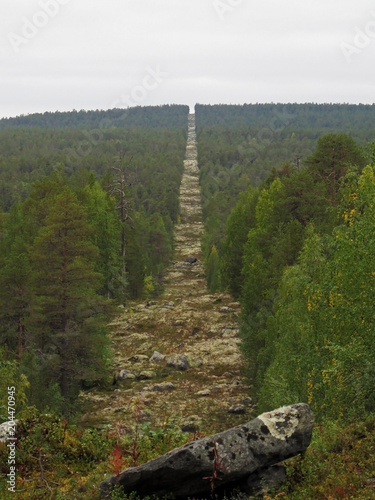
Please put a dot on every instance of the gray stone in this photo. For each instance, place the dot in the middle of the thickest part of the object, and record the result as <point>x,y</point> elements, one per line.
<point>126,375</point>
<point>169,305</point>
<point>8,430</point>
<point>236,410</point>
<point>191,424</point>
<point>138,358</point>
<point>263,481</point>
<point>225,310</point>
<point>157,357</point>
<point>191,260</point>
<point>265,441</point>
<point>179,362</point>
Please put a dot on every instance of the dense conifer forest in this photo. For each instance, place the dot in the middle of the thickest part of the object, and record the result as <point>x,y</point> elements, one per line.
<point>293,248</point>
<point>88,204</point>
<point>87,216</point>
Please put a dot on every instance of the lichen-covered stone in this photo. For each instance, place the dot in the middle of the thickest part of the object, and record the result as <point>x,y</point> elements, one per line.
<point>242,450</point>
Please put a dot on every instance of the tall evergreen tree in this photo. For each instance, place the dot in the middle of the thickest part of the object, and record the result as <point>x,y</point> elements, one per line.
<point>66,312</point>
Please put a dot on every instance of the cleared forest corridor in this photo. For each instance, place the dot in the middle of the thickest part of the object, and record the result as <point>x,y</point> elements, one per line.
<point>178,355</point>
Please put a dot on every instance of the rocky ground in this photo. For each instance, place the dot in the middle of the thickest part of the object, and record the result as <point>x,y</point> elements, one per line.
<point>178,355</point>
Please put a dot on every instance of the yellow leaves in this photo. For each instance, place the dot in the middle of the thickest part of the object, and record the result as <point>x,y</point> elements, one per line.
<point>310,387</point>
<point>71,441</point>
<point>331,302</point>
<point>325,376</point>
<point>349,217</point>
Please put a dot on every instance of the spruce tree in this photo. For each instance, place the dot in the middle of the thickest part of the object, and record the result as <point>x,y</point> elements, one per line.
<point>67,321</point>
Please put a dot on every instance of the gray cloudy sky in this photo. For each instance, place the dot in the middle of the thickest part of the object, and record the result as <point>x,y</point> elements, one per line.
<point>99,54</point>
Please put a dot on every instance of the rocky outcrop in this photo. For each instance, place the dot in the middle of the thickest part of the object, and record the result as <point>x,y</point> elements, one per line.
<point>224,460</point>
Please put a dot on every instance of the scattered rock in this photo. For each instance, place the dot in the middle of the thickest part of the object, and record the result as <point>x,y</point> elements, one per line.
<point>236,410</point>
<point>138,358</point>
<point>157,357</point>
<point>191,260</point>
<point>247,402</point>
<point>179,322</point>
<point>191,424</point>
<point>164,387</point>
<point>150,303</point>
<point>225,310</point>
<point>204,393</point>
<point>179,362</point>
<point>265,441</point>
<point>126,375</point>
<point>146,375</point>
<point>169,305</point>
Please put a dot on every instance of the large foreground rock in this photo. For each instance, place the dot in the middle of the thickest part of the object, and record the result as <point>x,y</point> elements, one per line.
<point>224,459</point>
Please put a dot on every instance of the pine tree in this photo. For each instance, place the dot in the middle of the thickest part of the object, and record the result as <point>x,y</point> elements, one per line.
<point>66,312</point>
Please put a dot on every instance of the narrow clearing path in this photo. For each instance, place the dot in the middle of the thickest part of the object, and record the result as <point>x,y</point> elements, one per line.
<point>194,330</point>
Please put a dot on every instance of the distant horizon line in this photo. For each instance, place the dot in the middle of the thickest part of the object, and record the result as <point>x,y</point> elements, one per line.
<point>191,109</point>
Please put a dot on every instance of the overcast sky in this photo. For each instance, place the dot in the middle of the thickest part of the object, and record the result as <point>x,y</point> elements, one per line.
<point>99,54</point>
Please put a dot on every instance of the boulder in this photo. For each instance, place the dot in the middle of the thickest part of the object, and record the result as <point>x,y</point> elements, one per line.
<point>126,375</point>
<point>191,260</point>
<point>157,357</point>
<point>8,430</point>
<point>223,460</point>
<point>179,362</point>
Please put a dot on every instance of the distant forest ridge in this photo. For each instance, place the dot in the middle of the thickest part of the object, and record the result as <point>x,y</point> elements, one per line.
<point>166,116</point>
<point>348,118</point>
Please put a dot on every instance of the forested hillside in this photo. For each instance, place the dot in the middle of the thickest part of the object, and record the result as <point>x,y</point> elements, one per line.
<point>288,197</point>
<point>291,248</point>
<point>240,146</point>
<point>167,116</point>
<point>88,205</point>
<point>87,216</point>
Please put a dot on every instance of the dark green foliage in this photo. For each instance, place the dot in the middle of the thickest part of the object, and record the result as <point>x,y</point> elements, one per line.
<point>275,117</point>
<point>335,154</point>
<point>247,145</point>
<point>67,316</point>
<point>61,240</point>
<point>239,223</point>
<point>167,116</point>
